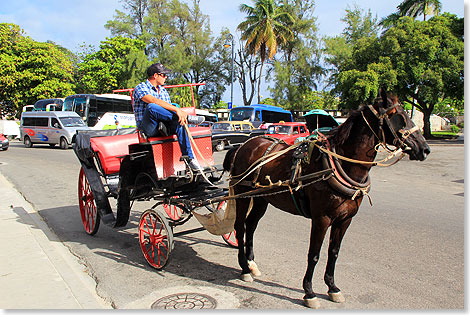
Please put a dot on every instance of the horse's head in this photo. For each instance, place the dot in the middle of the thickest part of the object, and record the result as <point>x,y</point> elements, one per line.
<point>397,128</point>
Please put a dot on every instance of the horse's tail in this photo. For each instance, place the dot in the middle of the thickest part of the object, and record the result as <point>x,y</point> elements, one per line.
<point>228,160</point>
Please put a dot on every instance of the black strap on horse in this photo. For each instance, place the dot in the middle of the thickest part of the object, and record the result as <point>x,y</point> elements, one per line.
<point>301,156</point>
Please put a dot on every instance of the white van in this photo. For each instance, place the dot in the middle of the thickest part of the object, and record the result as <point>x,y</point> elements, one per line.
<point>50,128</point>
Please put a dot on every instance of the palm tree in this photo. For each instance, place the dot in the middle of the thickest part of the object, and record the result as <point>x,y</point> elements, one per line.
<point>412,8</point>
<point>266,26</point>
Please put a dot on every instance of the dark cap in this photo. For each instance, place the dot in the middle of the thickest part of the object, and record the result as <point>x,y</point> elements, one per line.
<point>157,68</point>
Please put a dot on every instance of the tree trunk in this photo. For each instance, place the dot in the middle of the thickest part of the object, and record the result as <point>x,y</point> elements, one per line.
<point>259,82</point>
<point>427,124</point>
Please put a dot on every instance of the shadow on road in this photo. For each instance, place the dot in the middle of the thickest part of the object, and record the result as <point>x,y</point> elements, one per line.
<point>122,246</point>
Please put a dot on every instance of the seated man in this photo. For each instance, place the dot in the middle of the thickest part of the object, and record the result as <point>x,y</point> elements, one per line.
<point>151,103</point>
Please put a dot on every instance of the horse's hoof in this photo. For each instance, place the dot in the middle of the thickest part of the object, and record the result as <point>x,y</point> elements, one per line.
<point>246,277</point>
<point>336,297</point>
<point>312,303</point>
<point>254,269</point>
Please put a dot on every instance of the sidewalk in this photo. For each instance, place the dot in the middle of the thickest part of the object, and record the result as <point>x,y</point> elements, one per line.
<point>37,271</point>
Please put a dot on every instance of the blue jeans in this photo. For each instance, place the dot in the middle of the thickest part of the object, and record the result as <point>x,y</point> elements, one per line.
<point>155,113</point>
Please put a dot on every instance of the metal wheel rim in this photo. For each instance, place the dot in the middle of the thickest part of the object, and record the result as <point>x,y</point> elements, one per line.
<point>231,239</point>
<point>156,239</point>
<point>87,205</point>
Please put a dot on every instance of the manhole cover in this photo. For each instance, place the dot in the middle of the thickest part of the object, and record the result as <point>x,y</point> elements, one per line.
<point>185,301</point>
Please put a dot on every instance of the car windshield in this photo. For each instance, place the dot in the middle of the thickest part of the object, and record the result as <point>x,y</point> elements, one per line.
<point>222,126</point>
<point>72,121</point>
<point>284,130</point>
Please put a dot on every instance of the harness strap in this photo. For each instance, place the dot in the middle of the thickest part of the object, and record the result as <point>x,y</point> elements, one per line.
<point>262,161</point>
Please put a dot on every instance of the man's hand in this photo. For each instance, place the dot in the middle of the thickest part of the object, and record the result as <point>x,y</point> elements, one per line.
<point>182,116</point>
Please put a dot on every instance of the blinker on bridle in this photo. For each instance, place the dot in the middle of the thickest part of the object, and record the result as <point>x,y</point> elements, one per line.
<point>395,124</point>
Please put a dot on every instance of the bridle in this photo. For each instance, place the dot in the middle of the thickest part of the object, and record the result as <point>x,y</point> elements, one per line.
<point>396,124</point>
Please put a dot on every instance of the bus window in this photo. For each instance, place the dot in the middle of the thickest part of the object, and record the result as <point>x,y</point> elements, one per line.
<point>257,115</point>
<point>274,117</point>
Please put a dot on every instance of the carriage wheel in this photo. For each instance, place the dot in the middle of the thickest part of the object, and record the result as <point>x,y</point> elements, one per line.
<point>231,239</point>
<point>86,202</point>
<point>173,211</point>
<point>156,238</point>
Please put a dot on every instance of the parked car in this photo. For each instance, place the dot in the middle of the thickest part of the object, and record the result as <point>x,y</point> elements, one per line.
<point>232,133</point>
<point>288,131</point>
<point>4,141</point>
<point>50,128</point>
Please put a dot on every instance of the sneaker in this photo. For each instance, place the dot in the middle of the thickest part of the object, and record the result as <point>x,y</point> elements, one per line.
<point>194,165</point>
<point>196,120</point>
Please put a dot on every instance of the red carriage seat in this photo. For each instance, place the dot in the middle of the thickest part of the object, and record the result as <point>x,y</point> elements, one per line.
<point>111,149</point>
<point>167,153</point>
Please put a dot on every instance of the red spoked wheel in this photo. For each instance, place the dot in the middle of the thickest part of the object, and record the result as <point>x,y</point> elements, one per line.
<point>173,211</point>
<point>86,202</point>
<point>229,238</point>
<point>156,238</point>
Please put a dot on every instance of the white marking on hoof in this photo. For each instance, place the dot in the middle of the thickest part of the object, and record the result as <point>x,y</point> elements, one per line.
<point>312,303</point>
<point>337,297</point>
<point>254,269</point>
<point>246,277</point>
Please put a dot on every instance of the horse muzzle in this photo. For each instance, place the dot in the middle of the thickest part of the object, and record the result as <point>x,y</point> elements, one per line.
<point>419,153</point>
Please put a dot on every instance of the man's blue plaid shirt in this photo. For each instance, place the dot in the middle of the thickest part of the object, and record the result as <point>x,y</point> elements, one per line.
<point>146,88</point>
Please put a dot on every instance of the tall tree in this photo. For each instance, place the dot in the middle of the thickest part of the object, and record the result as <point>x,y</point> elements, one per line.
<point>359,25</point>
<point>266,26</point>
<point>298,69</point>
<point>31,70</point>
<point>422,61</point>
<point>119,63</point>
<point>247,73</point>
<point>412,8</point>
<point>177,34</point>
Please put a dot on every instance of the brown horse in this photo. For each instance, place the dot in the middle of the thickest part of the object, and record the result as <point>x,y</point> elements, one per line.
<point>329,202</point>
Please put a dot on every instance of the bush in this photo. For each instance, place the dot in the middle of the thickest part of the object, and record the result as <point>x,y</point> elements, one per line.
<point>454,129</point>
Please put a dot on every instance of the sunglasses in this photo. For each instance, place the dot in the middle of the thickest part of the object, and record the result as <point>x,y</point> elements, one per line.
<point>163,75</point>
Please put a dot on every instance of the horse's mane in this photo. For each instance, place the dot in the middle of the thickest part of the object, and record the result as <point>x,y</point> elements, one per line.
<point>339,134</point>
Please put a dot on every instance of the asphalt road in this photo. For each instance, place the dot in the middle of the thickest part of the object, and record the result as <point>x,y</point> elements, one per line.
<point>404,252</point>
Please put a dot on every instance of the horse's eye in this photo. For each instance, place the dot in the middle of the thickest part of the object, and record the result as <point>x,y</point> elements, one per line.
<point>397,121</point>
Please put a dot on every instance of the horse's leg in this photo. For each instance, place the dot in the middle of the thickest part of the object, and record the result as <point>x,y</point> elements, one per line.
<point>259,209</point>
<point>317,234</point>
<point>242,209</point>
<point>336,236</point>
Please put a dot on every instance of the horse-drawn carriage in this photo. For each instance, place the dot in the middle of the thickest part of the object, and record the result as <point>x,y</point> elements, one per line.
<point>324,180</point>
<point>122,164</point>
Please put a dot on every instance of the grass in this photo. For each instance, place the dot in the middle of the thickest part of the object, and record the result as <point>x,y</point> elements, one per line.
<point>445,134</point>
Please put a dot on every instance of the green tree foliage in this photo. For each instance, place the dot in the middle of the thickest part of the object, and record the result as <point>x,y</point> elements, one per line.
<point>119,63</point>
<point>179,36</point>
<point>298,69</point>
<point>422,61</point>
<point>30,70</point>
<point>412,8</point>
<point>266,26</point>
<point>360,26</point>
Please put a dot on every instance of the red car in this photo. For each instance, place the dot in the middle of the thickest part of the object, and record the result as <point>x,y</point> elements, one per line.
<point>288,131</point>
<point>4,144</point>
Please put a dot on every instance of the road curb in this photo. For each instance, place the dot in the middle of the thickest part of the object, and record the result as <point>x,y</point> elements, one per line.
<point>57,268</point>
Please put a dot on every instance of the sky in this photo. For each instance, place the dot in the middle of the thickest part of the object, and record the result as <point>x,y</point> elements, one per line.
<point>70,23</point>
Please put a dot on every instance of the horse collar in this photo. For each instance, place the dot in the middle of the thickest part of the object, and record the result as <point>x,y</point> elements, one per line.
<point>340,181</point>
